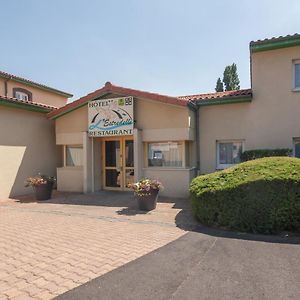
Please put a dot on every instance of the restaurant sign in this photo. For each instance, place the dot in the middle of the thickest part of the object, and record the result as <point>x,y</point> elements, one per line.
<point>110,117</point>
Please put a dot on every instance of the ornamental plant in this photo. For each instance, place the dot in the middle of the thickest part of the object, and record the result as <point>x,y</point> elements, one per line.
<point>258,196</point>
<point>40,179</point>
<point>144,186</point>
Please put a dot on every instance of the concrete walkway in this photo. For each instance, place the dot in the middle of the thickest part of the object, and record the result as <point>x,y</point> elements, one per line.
<point>208,264</point>
<point>50,247</point>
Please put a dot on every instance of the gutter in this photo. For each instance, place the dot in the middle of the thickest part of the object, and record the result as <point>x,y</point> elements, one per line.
<point>224,100</point>
<point>35,85</point>
<point>272,45</point>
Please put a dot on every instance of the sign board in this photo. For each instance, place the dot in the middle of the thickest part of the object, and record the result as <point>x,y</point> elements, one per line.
<point>110,117</point>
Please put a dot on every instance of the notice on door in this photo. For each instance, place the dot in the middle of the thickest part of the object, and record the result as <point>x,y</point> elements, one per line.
<point>110,117</point>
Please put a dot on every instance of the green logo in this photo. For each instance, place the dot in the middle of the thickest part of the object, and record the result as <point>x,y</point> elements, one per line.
<point>121,102</point>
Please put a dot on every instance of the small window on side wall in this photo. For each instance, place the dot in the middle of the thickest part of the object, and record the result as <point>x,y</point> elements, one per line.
<point>296,147</point>
<point>228,153</point>
<point>22,94</point>
<point>74,156</point>
<point>297,75</point>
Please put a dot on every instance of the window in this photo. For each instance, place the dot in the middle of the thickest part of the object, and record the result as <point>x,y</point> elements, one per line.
<point>73,156</point>
<point>22,94</point>
<point>296,148</point>
<point>228,153</point>
<point>165,154</point>
<point>297,75</point>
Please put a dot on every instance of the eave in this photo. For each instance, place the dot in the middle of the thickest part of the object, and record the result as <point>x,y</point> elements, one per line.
<point>275,44</point>
<point>221,101</point>
<point>24,106</point>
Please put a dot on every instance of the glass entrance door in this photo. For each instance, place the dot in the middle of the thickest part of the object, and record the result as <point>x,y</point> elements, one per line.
<point>118,163</point>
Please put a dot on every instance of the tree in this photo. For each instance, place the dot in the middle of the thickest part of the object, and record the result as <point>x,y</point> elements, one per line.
<point>230,78</point>
<point>219,86</point>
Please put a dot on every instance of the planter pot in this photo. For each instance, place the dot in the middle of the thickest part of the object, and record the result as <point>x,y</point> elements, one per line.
<point>147,202</point>
<point>43,191</point>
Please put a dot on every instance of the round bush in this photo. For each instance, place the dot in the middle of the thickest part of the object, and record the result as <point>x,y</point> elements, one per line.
<point>260,196</point>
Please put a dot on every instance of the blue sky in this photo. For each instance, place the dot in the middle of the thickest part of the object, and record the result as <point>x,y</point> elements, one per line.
<point>167,46</point>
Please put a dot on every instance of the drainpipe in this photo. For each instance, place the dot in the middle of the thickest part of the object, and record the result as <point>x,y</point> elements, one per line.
<point>195,108</point>
<point>6,87</point>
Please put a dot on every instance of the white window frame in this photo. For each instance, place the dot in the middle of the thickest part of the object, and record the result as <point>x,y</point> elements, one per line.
<point>225,166</point>
<point>294,88</point>
<point>184,158</point>
<point>22,95</point>
<point>65,155</point>
<point>295,140</point>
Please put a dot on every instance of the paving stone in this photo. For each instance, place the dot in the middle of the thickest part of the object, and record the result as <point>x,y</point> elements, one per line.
<point>48,249</point>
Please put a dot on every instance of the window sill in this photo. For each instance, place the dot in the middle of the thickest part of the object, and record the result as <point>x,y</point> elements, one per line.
<point>296,89</point>
<point>169,168</point>
<point>223,167</point>
<point>71,168</point>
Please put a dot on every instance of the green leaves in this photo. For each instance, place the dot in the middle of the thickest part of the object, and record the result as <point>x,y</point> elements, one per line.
<point>230,79</point>
<point>261,195</point>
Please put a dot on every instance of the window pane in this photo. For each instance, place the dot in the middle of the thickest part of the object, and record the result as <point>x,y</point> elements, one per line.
<point>112,178</point>
<point>297,75</point>
<point>229,153</point>
<point>112,154</point>
<point>165,154</point>
<point>21,96</point>
<point>297,149</point>
<point>129,153</point>
<point>74,156</point>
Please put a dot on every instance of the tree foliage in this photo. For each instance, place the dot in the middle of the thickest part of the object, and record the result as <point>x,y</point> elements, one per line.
<point>219,86</point>
<point>230,79</point>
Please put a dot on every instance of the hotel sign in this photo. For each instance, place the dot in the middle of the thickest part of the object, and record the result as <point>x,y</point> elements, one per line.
<point>110,117</point>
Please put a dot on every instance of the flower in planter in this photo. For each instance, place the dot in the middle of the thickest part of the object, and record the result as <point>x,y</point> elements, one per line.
<point>39,180</point>
<point>144,186</point>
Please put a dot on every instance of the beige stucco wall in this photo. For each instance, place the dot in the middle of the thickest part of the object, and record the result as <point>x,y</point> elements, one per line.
<point>38,95</point>
<point>2,86</point>
<point>271,120</point>
<point>27,146</point>
<point>175,181</point>
<point>69,179</point>
<point>73,122</point>
<point>154,122</point>
<point>156,115</point>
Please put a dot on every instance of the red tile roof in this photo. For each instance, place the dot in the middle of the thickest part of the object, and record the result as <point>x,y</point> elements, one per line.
<point>110,88</point>
<point>181,100</point>
<point>29,103</point>
<point>218,95</point>
<point>33,83</point>
<point>276,39</point>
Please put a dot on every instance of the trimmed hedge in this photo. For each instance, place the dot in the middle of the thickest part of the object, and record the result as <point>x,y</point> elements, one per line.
<point>260,153</point>
<point>259,196</point>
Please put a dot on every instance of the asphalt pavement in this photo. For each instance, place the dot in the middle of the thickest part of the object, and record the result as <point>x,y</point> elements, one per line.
<point>205,264</point>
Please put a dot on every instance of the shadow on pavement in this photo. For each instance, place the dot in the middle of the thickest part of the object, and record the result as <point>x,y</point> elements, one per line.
<point>183,220</point>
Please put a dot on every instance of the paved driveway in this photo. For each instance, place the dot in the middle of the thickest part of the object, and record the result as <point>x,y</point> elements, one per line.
<point>50,247</point>
<point>205,264</point>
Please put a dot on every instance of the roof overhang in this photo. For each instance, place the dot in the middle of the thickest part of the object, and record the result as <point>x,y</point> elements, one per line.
<point>275,43</point>
<point>34,84</point>
<point>14,103</point>
<point>116,90</point>
<point>224,100</point>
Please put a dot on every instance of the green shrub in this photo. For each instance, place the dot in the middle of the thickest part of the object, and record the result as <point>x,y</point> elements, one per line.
<point>260,196</point>
<point>260,153</point>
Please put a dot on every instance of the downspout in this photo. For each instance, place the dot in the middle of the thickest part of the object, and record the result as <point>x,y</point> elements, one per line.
<point>197,140</point>
<point>195,108</point>
<point>6,87</point>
